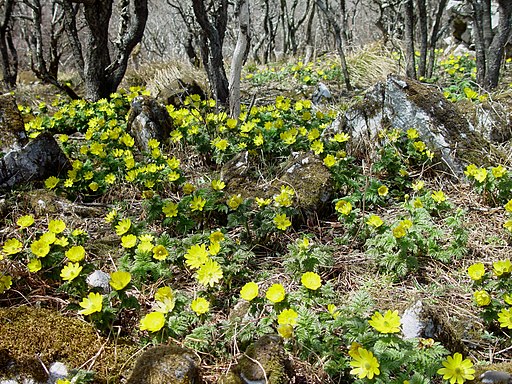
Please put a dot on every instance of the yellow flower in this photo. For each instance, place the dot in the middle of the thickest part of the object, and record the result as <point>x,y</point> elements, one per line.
<point>389,323</point>
<point>482,298</point>
<point>285,331</point>
<point>110,217</point>
<point>152,322</point>
<point>505,318</point>
<point>507,298</point>
<point>317,147</point>
<point>216,237</point>
<point>196,256</point>
<point>165,300</point>
<point>502,267</point>
<point>128,241</point>
<point>282,222</point>
<point>311,280</point>
<point>51,182</point>
<point>110,178</point>
<point>218,185</point>
<point>12,247</point>
<point>374,221</point>
<point>508,206</point>
<point>92,303</point>
<point>40,248</point>
<point>417,203</point>
<point>48,237</point>
<point>499,171</point>
<point>283,200</point>
<point>471,170</point>
<point>508,225</point>
<point>383,190</point>
<point>70,271</point>
<point>62,241</point>
<point>457,370</point>
<point>329,161</point>
<point>399,231</point>
<point>34,265</point>
<point>170,209</point>
<point>197,203</point>
<point>209,273</point>
<point>200,305</point>
<point>235,201</point>
<point>476,271</point>
<point>480,175</point>
<point>418,185</point>
<point>438,196</point>
<point>76,253</point>
<point>332,309</point>
<point>275,293</point>
<point>287,316</point>
<point>365,364</point>
<point>249,291</point>
<point>5,283</point>
<point>214,248</point>
<point>123,226</point>
<point>25,221</point>
<point>341,137</point>
<point>160,252</point>
<point>94,186</point>
<point>344,207</point>
<point>262,202</point>
<point>119,279</point>
<point>412,134</point>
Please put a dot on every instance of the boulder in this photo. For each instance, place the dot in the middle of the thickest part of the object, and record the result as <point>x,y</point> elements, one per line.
<point>36,161</point>
<point>309,178</point>
<point>166,364</point>
<point>147,119</point>
<point>12,129</point>
<point>265,361</point>
<point>404,103</point>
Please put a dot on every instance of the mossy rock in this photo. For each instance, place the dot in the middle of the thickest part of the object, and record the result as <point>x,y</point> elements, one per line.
<point>166,364</point>
<point>500,368</point>
<point>309,178</point>
<point>32,337</point>
<point>267,353</point>
<point>12,128</point>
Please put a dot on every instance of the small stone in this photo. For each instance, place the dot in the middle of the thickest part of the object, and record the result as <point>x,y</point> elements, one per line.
<point>99,279</point>
<point>495,377</point>
<point>57,371</point>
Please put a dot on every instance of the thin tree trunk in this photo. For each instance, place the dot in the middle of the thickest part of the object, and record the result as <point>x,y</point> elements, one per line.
<point>423,37</point>
<point>434,37</point>
<point>240,52</point>
<point>339,44</point>
<point>410,66</point>
<point>497,47</point>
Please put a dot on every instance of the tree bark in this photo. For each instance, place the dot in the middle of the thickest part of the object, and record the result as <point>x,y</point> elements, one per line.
<point>241,51</point>
<point>423,37</point>
<point>410,65</point>
<point>8,53</point>
<point>497,47</point>
<point>434,37</point>
<point>339,43</point>
<point>212,40</point>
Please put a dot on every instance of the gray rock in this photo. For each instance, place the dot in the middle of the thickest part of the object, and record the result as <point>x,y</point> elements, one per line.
<point>322,92</point>
<point>99,279</point>
<point>265,361</point>
<point>405,103</point>
<point>148,120</point>
<point>166,364</point>
<point>57,371</point>
<point>412,325</point>
<point>495,377</point>
<point>36,161</point>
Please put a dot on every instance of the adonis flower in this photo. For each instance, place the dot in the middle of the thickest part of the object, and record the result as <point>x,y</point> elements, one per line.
<point>196,256</point>
<point>457,370</point>
<point>76,253</point>
<point>275,293</point>
<point>365,364</point>
<point>119,279</point>
<point>209,273</point>
<point>160,252</point>
<point>282,222</point>
<point>287,316</point>
<point>249,291</point>
<point>389,323</point>
<point>92,303</point>
<point>476,271</point>
<point>200,305</point>
<point>152,322</point>
<point>123,226</point>
<point>311,280</point>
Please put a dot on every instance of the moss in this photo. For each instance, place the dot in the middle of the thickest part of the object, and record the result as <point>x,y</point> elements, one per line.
<point>31,336</point>
<point>269,353</point>
<point>480,369</point>
<point>11,123</point>
<point>470,146</point>
<point>168,364</point>
<point>310,179</point>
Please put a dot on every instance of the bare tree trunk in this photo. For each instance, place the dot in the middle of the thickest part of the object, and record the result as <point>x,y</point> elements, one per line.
<point>241,51</point>
<point>339,43</point>
<point>497,46</point>
<point>423,37</point>
<point>434,37</point>
<point>8,53</point>
<point>410,66</point>
<point>211,47</point>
